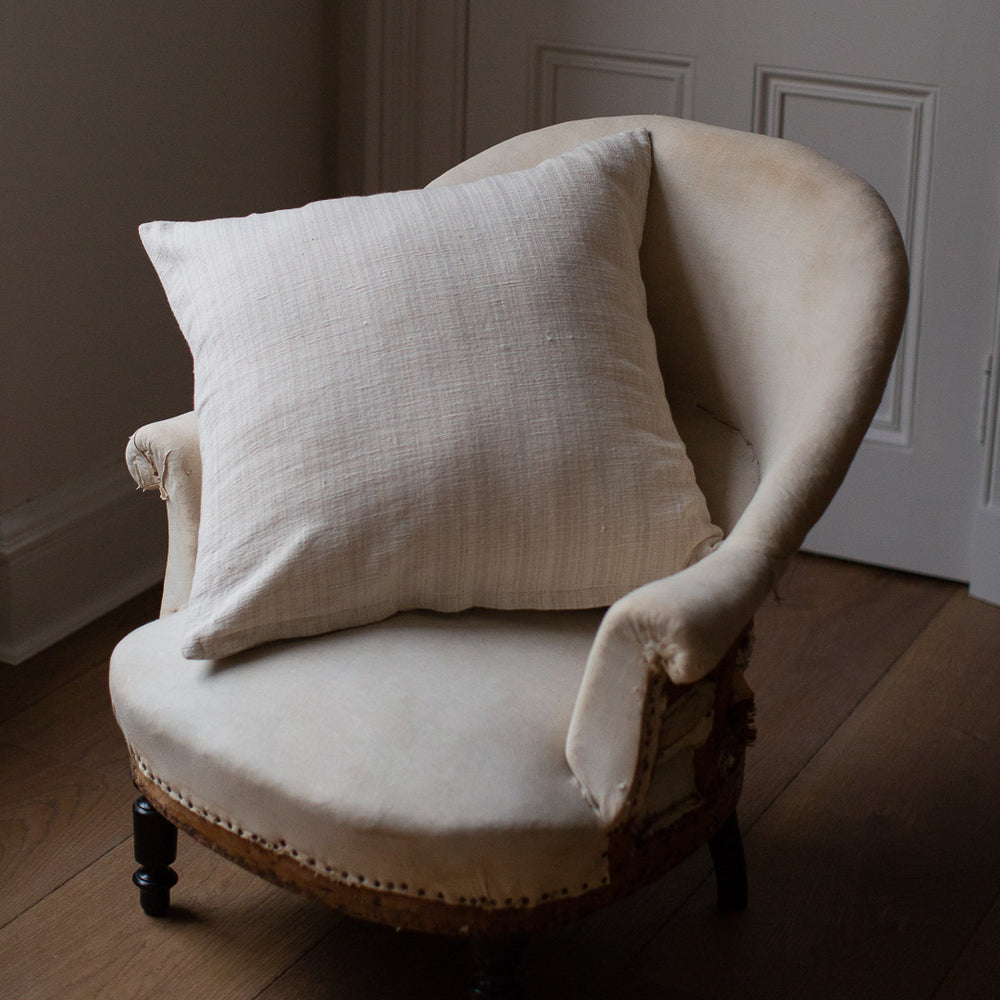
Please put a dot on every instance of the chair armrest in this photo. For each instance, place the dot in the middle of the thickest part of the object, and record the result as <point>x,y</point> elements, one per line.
<point>681,627</point>
<point>165,456</point>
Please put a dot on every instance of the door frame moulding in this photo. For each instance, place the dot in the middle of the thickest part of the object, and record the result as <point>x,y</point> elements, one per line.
<point>415,65</point>
<point>984,554</point>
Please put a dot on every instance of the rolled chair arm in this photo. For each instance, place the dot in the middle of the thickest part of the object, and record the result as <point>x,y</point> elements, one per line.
<point>165,456</point>
<point>680,627</point>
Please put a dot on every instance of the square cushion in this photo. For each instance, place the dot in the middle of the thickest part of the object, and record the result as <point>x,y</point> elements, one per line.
<point>432,399</point>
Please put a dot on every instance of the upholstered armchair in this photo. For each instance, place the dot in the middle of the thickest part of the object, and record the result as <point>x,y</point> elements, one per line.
<point>482,490</point>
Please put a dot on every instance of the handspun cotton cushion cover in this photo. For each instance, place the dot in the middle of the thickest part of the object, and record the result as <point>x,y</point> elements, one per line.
<point>430,399</point>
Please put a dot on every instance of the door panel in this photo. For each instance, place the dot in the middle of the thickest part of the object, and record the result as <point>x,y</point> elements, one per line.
<point>904,94</point>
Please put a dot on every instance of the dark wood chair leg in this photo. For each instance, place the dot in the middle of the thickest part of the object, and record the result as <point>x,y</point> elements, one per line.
<point>154,841</point>
<point>730,865</point>
<point>495,962</point>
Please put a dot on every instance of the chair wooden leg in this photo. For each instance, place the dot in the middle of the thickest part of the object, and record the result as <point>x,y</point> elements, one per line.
<point>730,865</point>
<point>154,841</point>
<point>495,967</point>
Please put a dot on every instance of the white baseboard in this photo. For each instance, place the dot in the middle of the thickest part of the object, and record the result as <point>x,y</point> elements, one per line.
<point>73,555</point>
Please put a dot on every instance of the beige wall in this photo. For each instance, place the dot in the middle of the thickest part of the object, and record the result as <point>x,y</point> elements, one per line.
<point>116,112</point>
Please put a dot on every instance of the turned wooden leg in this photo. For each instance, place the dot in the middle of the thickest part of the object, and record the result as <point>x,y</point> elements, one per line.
<point>154,840</point>
<point>730,865</point>
<point>495,967</point>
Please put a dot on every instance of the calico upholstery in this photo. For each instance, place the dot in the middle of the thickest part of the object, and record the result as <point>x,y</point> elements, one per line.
<point>776,286</point>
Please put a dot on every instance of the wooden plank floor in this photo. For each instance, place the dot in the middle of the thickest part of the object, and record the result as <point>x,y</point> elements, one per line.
<point>871,815</point>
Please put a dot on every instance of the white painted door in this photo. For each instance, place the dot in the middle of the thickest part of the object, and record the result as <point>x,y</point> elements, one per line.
<point>904,92</point>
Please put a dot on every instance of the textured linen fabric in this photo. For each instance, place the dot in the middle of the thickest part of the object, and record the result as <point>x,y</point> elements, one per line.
<point>165,457</point>
<point>430,399</point>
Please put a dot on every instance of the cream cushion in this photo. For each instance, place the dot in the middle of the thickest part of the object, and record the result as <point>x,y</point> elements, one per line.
<point>471,801</point>
<point>431,399</point>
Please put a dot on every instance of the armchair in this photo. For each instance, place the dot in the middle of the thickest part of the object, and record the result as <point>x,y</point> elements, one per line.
<point>490,771</point>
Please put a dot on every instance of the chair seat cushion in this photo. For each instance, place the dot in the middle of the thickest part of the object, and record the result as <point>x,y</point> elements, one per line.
<point>377,756</point>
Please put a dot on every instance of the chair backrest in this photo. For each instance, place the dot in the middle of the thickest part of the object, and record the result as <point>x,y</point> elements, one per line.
<point>777,286</point>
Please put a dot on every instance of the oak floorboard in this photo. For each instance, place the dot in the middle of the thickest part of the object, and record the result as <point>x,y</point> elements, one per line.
<point>74,723</point>
<point>66,793</point>
<point>55,818</point>
<point>834,630</point>
<point>976,975</point>
<point>876,865</point>
<point>367,962</point>
<point>228,937</point>
<point>364,961</point>
<point>823,642</point>
<point>822,878</point>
